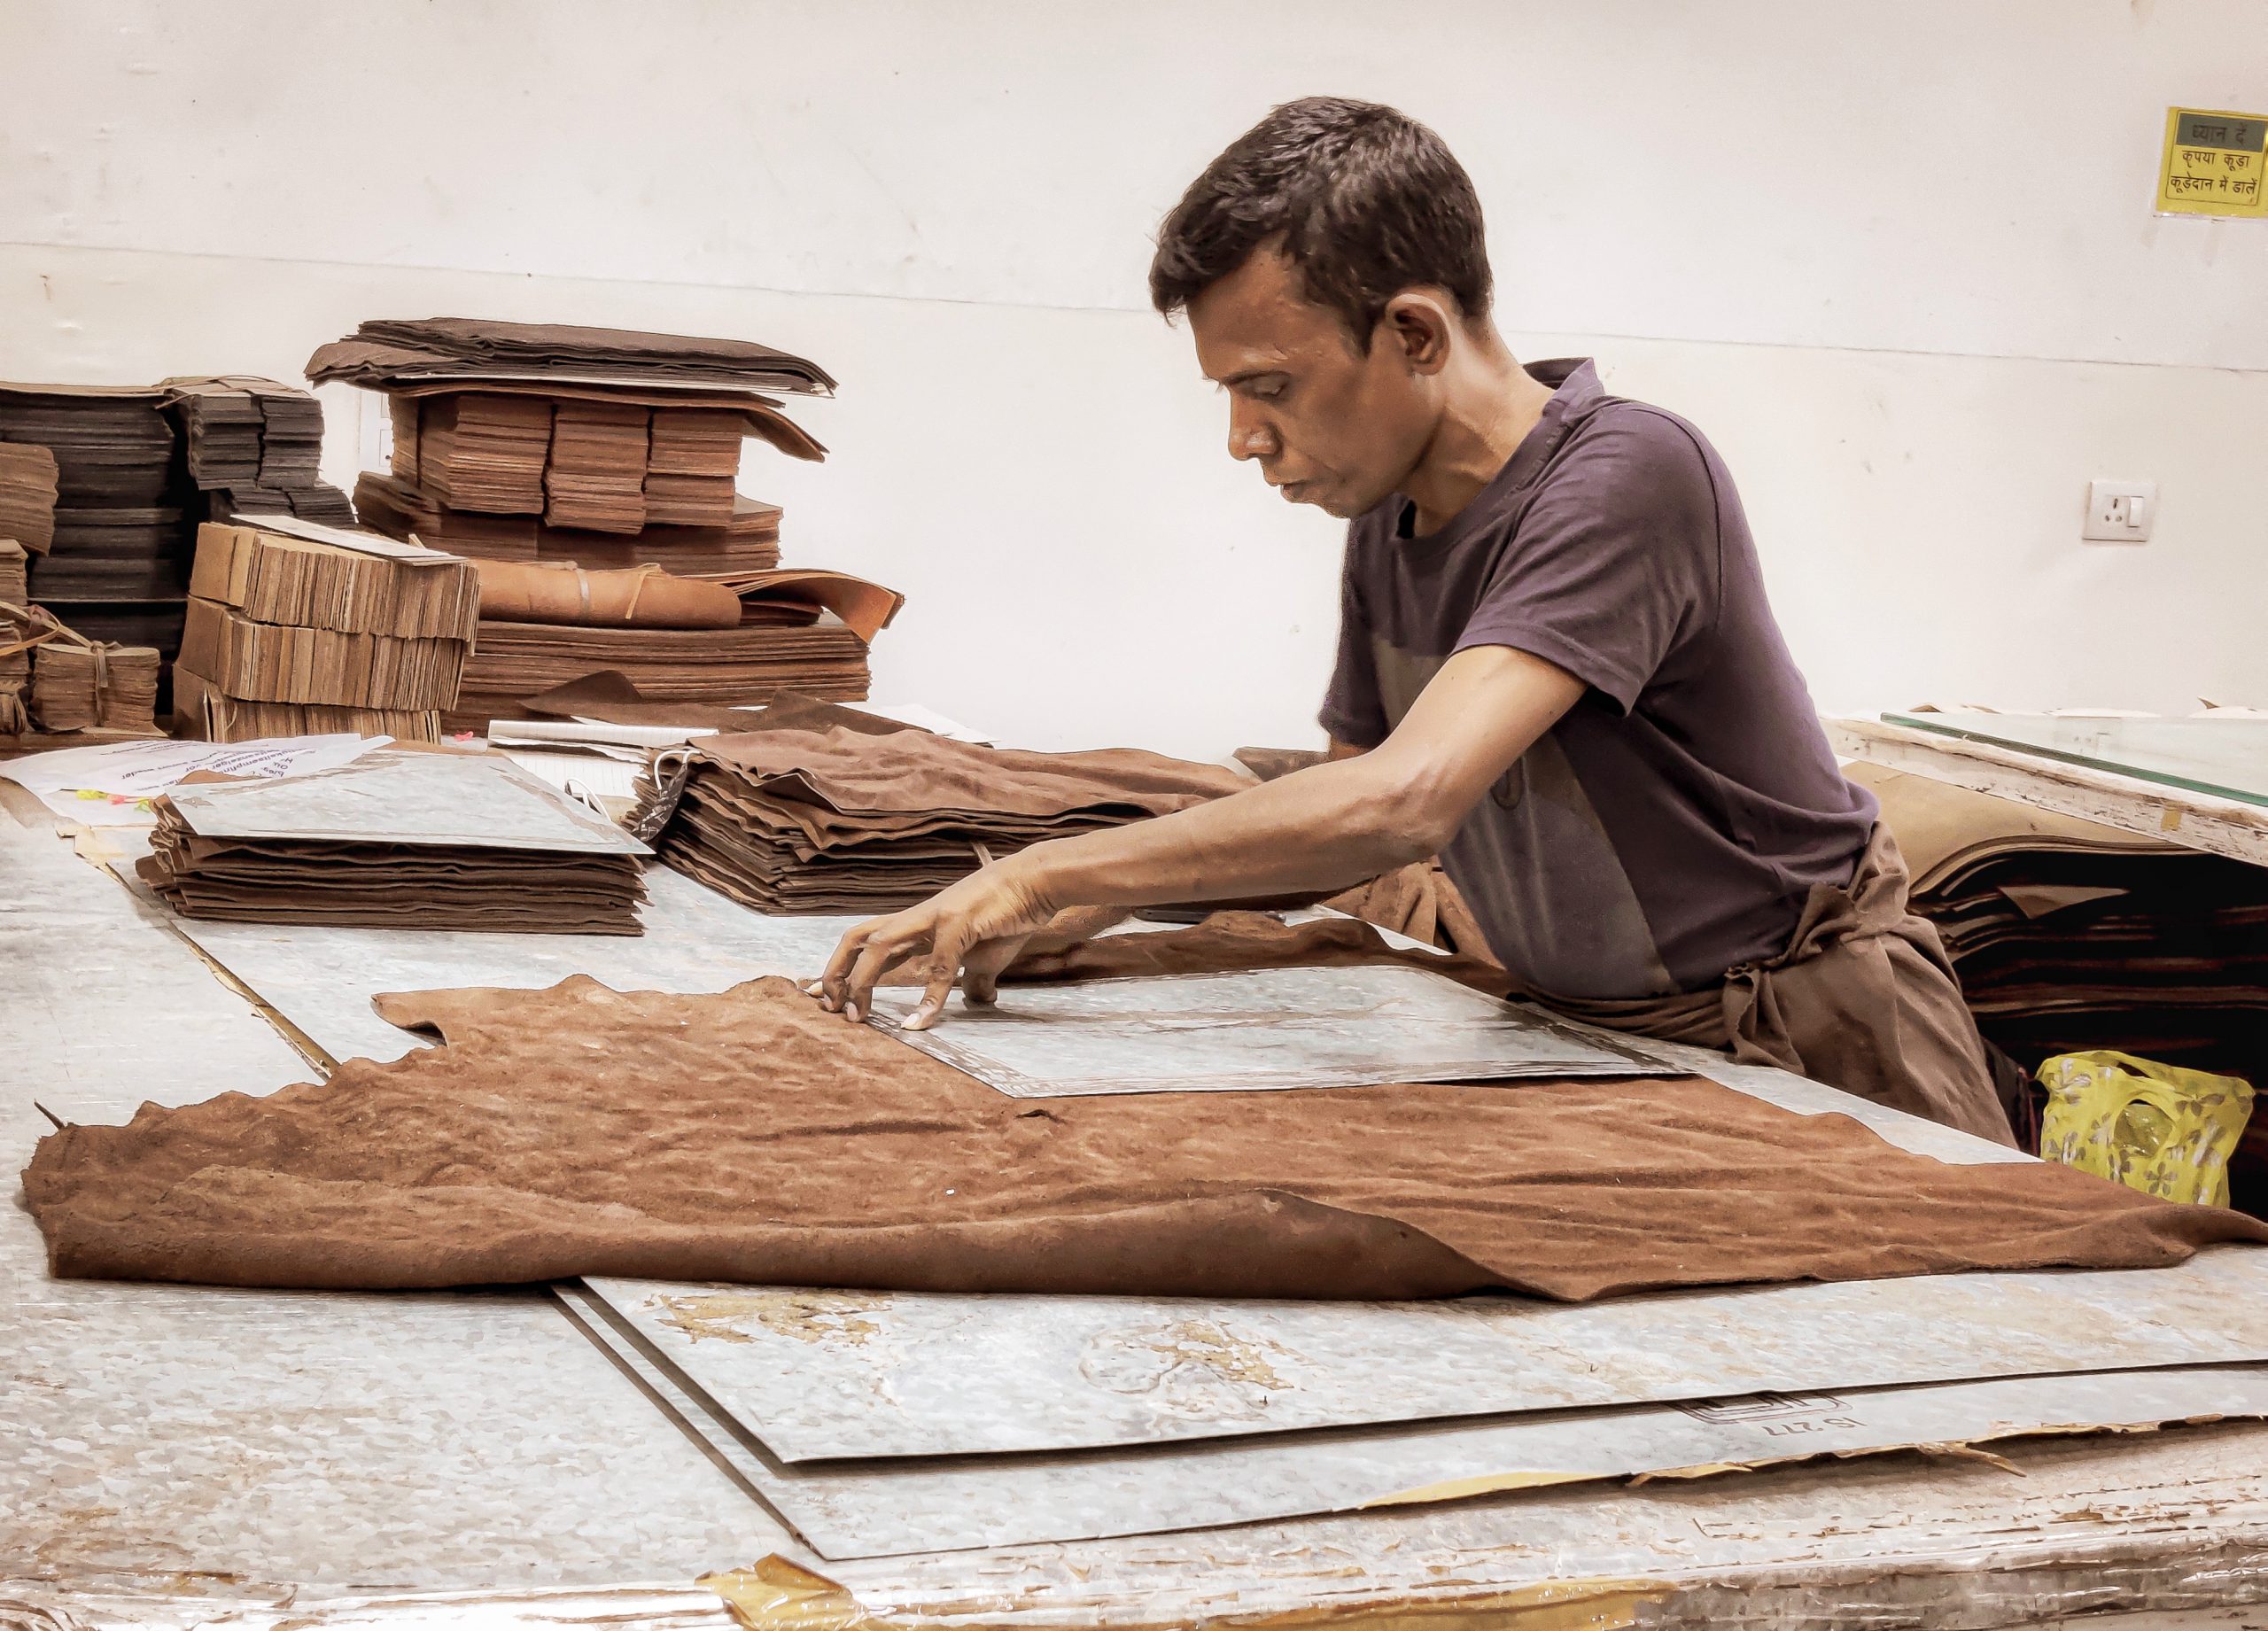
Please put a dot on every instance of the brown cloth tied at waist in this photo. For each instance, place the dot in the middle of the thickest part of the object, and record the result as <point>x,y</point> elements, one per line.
<point>1864,998</point>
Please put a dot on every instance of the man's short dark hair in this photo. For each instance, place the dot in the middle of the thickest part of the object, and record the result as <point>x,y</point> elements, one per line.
<point>1368,202</point>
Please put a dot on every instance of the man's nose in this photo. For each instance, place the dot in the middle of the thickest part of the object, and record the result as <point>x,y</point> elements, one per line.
<point>1250,436</point>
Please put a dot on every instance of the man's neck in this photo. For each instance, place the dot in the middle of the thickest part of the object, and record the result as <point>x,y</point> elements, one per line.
<point>1492,404</point>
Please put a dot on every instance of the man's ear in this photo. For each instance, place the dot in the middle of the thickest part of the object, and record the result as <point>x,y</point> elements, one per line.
<point>1417,322</point>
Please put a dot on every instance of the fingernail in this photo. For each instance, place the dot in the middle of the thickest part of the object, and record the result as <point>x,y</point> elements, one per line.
<point>853,1014</point>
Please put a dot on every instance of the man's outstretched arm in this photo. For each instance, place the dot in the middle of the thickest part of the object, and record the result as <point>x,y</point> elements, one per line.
<point>1327,827</point>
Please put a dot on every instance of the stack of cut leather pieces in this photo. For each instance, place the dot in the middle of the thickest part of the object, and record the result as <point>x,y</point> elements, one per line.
<point>399,839</point>
<point>2069,936</point>
<point>746,541</point>
<point>362,632</point>
<point>596,435</point>
<point>795,631</point>
<point>252,447</point>
<point>841,820</point>
<point>27,496</point>
<point>116,564</point>
<point>611,452</point>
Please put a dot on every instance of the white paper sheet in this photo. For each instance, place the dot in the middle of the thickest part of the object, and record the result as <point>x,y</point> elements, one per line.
<point>111,784</point>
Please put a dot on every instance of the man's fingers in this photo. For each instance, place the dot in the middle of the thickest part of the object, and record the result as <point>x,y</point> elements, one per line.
<point>980,969</point>
<point>944,963</point>
<point>838,964</point>
<point>886,946</point>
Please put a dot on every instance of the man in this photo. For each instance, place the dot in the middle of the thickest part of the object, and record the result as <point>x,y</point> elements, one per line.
<point>1556,666</point>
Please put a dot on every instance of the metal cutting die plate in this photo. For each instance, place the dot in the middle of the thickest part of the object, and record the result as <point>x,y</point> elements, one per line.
<point>406,799</point>
<point>840,1374</point>
<point>321,980</point>
<point>1277,1027</point>
<point>877,1508</point>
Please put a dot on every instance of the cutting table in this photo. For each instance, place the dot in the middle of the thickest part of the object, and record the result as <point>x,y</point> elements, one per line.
<point>180,1456</point>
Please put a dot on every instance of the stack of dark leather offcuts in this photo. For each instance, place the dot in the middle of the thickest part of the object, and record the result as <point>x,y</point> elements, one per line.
<point>252,447</point>
<point>399,839</point>
<point>115,564</point>
<point>2069,936</point>
<point>842,820</point>
<point>28,476</point>
<point>133,470</point>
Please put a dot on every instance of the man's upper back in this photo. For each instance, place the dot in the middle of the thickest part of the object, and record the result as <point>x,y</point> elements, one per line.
<point>1671,824</point>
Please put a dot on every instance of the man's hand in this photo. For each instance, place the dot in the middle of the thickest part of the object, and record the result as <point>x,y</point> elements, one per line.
<point>1320,829</point>
<point>980,924</point>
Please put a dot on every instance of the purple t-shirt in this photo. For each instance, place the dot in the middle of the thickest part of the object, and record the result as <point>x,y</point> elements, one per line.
<point>1670,826</point>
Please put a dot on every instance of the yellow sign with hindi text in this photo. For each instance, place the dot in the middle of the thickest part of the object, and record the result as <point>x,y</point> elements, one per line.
<point>2214,164</point>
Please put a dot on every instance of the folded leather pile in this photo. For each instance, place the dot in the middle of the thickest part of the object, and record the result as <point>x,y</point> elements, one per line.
<point>2069,936</point>
<point>383,843</point>
<point>786,629</point>
<point>842,821</point>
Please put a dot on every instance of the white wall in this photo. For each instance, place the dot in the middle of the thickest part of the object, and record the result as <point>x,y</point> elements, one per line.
<point>1897,261</point>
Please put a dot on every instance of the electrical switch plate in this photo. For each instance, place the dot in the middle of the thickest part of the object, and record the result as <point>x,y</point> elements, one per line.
<point>2120,512</point>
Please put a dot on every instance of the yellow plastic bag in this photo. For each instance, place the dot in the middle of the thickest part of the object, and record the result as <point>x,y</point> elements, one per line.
<point>2163,1130</point>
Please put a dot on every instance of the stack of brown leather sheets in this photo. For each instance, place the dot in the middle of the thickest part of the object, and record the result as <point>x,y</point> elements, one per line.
<point>799,631</point>
<point>399,839</point>
<point>843,821</point>
<point>2070,936</point>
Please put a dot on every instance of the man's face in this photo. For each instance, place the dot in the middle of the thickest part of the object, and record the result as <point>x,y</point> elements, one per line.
<point>1330,425</point>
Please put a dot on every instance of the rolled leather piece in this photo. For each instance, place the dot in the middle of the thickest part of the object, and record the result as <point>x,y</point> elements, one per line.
<point>643,597</point>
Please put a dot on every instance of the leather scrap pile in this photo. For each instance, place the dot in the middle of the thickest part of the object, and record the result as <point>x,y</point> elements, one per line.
<point>841,820</point>
<point>2070,937</point>
<point>607,451</point>
<point>296,628</point>
<point>400,838</point>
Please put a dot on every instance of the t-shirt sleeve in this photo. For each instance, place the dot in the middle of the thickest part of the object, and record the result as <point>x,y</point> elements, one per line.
<point>1352,710</point>
<point>1617,560</point>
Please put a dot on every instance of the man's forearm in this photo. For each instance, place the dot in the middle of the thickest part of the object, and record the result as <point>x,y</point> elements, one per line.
<point>1327,827</point>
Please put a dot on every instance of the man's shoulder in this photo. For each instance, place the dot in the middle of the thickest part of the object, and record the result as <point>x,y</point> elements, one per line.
<point>1634,454</point>
<point>1644,428</point>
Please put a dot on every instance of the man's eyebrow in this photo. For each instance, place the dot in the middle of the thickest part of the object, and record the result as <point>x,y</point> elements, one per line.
<point>1244,377</point>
